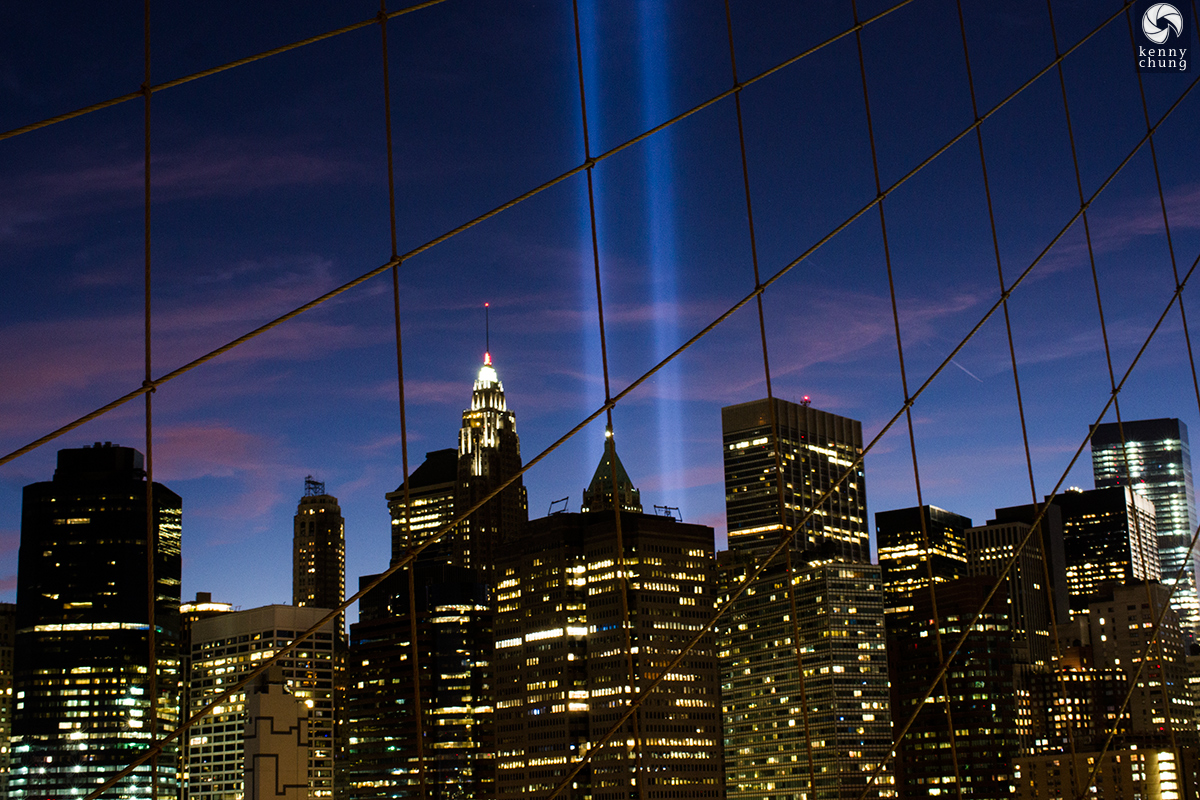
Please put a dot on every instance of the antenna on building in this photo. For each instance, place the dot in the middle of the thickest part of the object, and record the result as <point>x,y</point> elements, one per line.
<point>313,487</point>
<point>487,329</point>
<point>806,401</point>
<point>669,511</point>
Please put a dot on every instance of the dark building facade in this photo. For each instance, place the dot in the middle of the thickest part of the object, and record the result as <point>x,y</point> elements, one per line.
<point>1157,463</point>
<point>1109,535</point>
<point>816,448</point>
<point>453,625</point>
<point>430,493</point>
<point>915,543</point>
<point>83,661</point>
<point>981,686</point>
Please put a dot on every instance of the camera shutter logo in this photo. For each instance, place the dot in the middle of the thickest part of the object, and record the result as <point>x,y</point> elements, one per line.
<point>1160,20</point>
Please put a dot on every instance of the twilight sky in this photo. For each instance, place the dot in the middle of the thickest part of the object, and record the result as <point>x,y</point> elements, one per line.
<point>269,188</point>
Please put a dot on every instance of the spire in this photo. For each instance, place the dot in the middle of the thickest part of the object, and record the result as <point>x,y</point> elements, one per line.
<point>599,492</point>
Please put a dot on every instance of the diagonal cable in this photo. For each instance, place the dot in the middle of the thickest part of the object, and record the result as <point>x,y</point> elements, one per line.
<point>912,439</point>
<point>418,709</point>
<point>773,413</point>
<point>366,23</point>
<point>1137,522</point>
<point>559,179</point>
<point>630,388</point>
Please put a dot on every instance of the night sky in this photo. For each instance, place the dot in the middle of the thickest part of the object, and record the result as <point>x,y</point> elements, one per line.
<point>269,188</point>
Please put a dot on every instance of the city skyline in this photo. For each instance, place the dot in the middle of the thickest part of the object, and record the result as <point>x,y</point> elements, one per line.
<point>241,237</point>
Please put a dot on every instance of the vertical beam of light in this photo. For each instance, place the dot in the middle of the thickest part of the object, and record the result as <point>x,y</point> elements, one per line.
<point>589,332</point>
<point>660,196</point>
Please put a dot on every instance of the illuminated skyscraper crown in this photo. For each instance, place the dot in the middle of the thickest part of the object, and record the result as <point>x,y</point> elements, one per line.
<point>486,418</point>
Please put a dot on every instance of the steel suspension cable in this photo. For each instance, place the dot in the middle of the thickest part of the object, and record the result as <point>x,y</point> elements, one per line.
<point>559,179</point>
<point>773,415</point>
<point>414,648</point>
<point>629,389</point>
<point>1038,520</point>
<point>1052,606</point>
<point>622,568</point>
<point>366,23</point>
<point>912,439</point>
<point>152,531</point>
<point>1004,296</point>
<point>1137,521</point>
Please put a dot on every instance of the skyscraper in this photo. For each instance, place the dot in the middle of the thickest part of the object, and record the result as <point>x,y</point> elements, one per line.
<point>905,559</point>
<point>189,613</point>
<point>1108,535</point>
<point>816,448</point>
<point>224,649</point>
<point>489,453</point>
<point>1157,463</point>
<point>431,488</point>
<point>84,699</point>
<point>982,693</point>
<point>453,688</point>
<point>319,552</point>
<point>562,667</point>
<point>990,548</point>
<point>841,705</point>
<point>839,600</point>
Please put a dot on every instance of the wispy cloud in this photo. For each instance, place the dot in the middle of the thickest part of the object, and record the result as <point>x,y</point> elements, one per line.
<point>212,167</point>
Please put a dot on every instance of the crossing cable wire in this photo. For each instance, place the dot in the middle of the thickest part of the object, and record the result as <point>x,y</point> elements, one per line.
<point>912,439</point>
<point>415,652</point>
<point>774,414</point>
<point>152,531</point>
<point>629,389</point>
<point>1038,518</point>
<point>1177,294</point>
<point>610,446</point>
<point>559,179</point>
<point>858,460</point>
<point>1137,521</point>
<point>320,37</point>
<point>1012,354</point>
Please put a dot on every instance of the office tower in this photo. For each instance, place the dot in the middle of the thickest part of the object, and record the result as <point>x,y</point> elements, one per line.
<point>453,650</point>
<point>982,690</point>
<point>563,667</point>
<point>1109,535</point>
<point>319,552</point>
<point>489,453</point>
<point>1157,463</point>
<point>842,646</point>
<point>8,635</point>
<point>990,547</point>
<point>225,648</point>
<point>1047,540</point>
<point>431,494</point>
<point>816,449</point>
<point>202,607</point>
<point>276,740</point>
<point>84,699</point>
<point>907,555</point>
<point>834,585</point>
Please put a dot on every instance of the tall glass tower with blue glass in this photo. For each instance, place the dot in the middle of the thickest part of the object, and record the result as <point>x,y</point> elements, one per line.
<point>1157,463</point>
